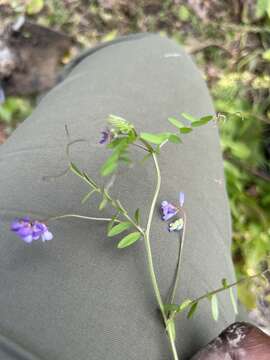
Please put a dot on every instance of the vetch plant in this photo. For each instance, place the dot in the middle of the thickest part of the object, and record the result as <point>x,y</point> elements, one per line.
<point>118,137</point>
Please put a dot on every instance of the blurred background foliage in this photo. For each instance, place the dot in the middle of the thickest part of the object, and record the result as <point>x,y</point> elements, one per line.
<point>230,41</point>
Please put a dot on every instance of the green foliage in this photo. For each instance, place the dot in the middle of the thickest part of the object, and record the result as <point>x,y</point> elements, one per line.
<point>266,55</point>
<point>34,6</point>
<point>183,13</point>
<point>241,93</point>
<point>14,109</point>
<point>263,8</point>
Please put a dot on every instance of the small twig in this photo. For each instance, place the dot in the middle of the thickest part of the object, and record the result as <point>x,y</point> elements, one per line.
<point>140,146</point>
<point>211,293</point>
<point>251,170</point>
<point>77,216</point>
<point>195,49</point>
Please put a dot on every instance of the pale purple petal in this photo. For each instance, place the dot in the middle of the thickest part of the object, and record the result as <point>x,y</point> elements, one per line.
<point>46,236</point>
<point>28,239</point>
<point>181,198</point>
<point>24,231</point>
<point>16,225</point>
<point>168,210</point>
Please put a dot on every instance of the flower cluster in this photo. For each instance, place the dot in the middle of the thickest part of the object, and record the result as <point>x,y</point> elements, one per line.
<point>106,136</point>
<point>29,230</point>
<point>168,211</point>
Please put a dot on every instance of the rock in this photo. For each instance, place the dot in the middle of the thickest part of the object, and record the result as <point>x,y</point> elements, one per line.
<point>29,57</point>
<point>240,341</point>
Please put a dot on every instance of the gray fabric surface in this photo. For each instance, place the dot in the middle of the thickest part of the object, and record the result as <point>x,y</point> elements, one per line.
<point>78,297</point>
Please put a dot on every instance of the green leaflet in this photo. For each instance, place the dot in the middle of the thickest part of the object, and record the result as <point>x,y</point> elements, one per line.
<point>174,139</point>
<point>189,117</point>
<point>195,121</point>
<point>108,168</point>
<point>192,310</point>
<point>203,120</point>
<point>185,130</point>
<point>156,139</point>
<point>110,164</point>
<point>214,307</point>
<point>120,123</point>
<point>184,305</point>
<point>129,240</point>
<point>103,204</point>
<point>182,128</point>
<point>233,301</point>
<point>176,122</point>
<point>117,229</point>
<point>75,170</point>
<point>87,196</point>
<point>137,216</point>
<point>82,175</point>
<point>90,181</point>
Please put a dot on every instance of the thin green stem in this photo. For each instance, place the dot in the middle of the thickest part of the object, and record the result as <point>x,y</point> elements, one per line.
<point>173,347</point>
<point>150,258</point>
<point>78,216</point>
<point>146,235</point>
<point>211,293</point>
<point>115,203</point>
<point>221,289</point>
<point>180,253</point>
<point>140,146</point>
<point>118,206</point>
<point>147,240</point>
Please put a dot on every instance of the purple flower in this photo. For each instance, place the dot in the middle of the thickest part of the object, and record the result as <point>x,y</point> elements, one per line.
<point>168,210</point>
<point>29,230</point>
<point>106,136</point>
<point>2,95</point>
